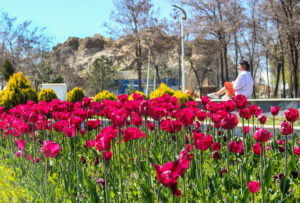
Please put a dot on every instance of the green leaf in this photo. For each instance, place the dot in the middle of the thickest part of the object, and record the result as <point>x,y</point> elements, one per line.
<point>268,172</point>
<point>284,185</point>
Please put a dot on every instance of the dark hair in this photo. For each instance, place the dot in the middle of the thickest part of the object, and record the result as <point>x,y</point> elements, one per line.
<point>245,64</point>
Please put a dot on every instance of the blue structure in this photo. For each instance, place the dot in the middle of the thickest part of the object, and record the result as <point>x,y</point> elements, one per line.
<point>124,84</point>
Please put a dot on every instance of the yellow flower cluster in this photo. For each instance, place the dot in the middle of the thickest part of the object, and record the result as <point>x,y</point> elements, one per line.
<point>47,95</point>
<point>105,95</point>
<point>183,97</point>
<point>18,91</point>
<point>162,89</point>
<point>137,92</point>
<point>75,95</point>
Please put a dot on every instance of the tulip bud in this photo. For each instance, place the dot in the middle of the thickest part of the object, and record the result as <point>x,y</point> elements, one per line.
<point>101,181</point>
<point>216,155</point>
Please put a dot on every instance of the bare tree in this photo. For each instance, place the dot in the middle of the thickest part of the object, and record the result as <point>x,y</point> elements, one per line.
<point>132,16</point>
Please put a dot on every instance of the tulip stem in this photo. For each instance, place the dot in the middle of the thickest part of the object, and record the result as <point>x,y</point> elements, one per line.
<point>158,191</point>
<point>274,130</point>
<point>253,198</point>
<point>120,169</point>
<point>227,157</point>
<point>261,171</point>
<point>293,138</point>
<point>285,156</point>
<point>46,179</point>
<point>184,186</point>
<point>201,175</point>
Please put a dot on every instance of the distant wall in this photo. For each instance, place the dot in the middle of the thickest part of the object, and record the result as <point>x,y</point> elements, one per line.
<point>60,90</point>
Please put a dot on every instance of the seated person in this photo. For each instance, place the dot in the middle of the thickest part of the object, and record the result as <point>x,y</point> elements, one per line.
<point>242,85</point>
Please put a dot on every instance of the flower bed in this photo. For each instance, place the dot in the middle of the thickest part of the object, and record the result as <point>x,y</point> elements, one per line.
<point>151,150</point>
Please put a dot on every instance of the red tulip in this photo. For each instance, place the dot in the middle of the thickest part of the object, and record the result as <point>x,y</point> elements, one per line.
<point>201,115</point>
<point>224,170</point>
<point>291,115</point>
<point>107,155</point>
<point>297,151</point>
<point>96,161</point>
<point>123,97</point>
<point>184,160</point>
<point>236,147</point>
<point>229,105</point>
<point>286,128</point>
<point>240,101</point>
<point>229,122</point>
<point>202,142</point>
<point>256,148</point>
<point>76,121</point>
<point>253,109</point>
<point>216,146</point>
<point>93,124</point>
<point>281,149</point>
<point>86,102</point>
<point>101,181</point>
<point>188,147</point>
<point>82,132</point>
<point>118,118</point>
<point>150,125</point>
<point>187,117</point>
<point>104,143</point>
<point>246,129</point>
<point>253,186</point>
<point>20,144</point>
<point>275,110</point>
<point>50,149</point>
<point>136,121</point>
<point>244,113</point>
<point>216,155</point>
<point>262,119</point>
<point>19,154</point>
<point>204,101</point>
<point>280,142</point>
<point>69,131</point>
<point>167,173</point>
<point>262,135</point>
<point>90,143</point>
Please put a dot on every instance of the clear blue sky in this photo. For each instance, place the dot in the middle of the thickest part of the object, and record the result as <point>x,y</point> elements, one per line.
<point>64,18</point>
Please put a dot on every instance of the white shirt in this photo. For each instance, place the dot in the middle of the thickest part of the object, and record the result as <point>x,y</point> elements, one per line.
<point>244,84</point>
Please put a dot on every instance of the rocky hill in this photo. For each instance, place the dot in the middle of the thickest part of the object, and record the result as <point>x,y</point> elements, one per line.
<point>75,55</point>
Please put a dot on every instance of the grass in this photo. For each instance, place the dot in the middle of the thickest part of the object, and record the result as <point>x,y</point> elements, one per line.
<point>278,121</point>
<point>10,190</point>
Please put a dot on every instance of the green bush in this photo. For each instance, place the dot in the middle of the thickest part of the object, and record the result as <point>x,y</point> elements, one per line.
<point>47,95</point>
<point>7,70</point>
<point>105,95</point>
<point>75,95</point>
<point>18,91</point>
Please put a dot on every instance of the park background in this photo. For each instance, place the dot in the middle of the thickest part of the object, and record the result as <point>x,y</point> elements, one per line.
<point>105,44</point>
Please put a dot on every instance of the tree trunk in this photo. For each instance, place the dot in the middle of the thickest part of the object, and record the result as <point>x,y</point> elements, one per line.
<point>139,63</point>
<point>197,77</point>
<point>267,68</point>
<point>283,77</point>
<point>236,55</point>
<point>278,67</point>
<point>225,62</point>
<point>222,69</point>
<point>291,84</point>
<point>157,73</point>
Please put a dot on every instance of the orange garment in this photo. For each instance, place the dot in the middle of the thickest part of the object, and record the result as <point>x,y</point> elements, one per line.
<point>229,87</point>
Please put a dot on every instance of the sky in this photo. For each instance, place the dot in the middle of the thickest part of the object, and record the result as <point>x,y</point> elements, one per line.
<point>65,18</point>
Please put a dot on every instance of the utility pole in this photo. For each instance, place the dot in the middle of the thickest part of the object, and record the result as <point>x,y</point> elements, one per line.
<point>182,48</point>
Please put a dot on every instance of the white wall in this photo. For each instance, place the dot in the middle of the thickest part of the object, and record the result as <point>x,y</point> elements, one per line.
<point>60,90</point>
